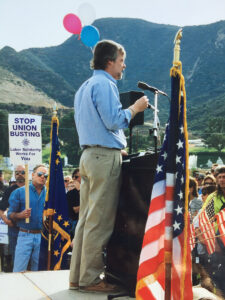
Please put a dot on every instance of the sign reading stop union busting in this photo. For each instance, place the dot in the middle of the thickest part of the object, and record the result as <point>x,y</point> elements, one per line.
<point>25,143</point>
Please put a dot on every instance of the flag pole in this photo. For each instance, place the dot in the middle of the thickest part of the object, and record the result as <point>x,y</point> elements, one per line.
<point>27,196</point>
<point>168,254</point>
<point>176,52</point>
<point>50,217</point>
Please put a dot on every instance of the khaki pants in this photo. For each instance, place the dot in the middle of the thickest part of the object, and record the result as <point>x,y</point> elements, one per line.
<point>100,170</point>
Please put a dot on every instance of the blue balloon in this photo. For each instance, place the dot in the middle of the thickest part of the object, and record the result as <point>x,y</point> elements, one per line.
<point>89,35</point>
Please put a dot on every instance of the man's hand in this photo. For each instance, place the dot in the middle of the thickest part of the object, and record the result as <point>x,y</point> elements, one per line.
<point>26,213</point>
<point>124,152</point>
<point>6,220</point>
<point>141,104</point>
<point>77,185</point>
<point>76,209</point>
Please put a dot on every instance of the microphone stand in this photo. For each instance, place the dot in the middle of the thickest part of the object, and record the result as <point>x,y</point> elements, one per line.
<point>155,124</point>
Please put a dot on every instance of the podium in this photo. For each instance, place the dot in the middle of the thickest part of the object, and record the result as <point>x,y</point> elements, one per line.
<point>124,247</point>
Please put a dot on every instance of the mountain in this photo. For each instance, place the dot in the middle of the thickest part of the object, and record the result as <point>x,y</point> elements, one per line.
<point>58,71</point>
<point>31,69</point>
<point>16,90</point>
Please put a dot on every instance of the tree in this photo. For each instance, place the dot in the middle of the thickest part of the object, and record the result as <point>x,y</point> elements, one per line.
<point>69,137</point>
<point>4,135</point>
<point>215,133</point>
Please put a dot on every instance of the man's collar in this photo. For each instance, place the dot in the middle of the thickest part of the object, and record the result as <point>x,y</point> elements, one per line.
<point>34,188</point>
<point>97,72</point>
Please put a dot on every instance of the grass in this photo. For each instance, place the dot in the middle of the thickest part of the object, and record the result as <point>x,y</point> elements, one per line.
<point>204,149</point>
<point>46,155</point>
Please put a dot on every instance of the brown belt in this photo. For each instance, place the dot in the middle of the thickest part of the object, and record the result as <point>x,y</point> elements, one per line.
<point>98,146</point>
<point>30,231</point>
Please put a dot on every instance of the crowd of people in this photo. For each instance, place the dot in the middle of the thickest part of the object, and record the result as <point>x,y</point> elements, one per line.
<point>22,251</point>
<point>206,199</point>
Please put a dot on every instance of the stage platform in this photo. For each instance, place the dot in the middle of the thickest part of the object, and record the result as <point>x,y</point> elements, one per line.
<point>53,285</point>
<point>43,285</point>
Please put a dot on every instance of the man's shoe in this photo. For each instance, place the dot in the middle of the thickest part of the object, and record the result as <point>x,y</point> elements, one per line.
<point>73,286</point>
<point>101,287</point>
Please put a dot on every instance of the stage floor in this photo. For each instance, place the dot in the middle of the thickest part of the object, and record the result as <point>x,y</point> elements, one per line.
<point>43,285</point>
<point>53,285</point>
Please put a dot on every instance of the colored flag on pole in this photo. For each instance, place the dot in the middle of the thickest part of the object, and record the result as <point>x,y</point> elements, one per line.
<point>165,261</point>
<point>55,237</point>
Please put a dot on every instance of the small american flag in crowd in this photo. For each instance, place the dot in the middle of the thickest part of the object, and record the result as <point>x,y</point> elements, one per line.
<point>192,236</point>
<point>166,246</point>
<point>220,217</point>
<point>208,232</point>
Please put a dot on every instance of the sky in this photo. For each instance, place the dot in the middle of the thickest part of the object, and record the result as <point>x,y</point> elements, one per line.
<point>39,23</point>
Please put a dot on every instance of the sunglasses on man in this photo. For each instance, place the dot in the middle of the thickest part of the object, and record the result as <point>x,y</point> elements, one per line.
<point>76,177</point>
<point>19,172</point>
<point>209,183</point>
<point>39,174</point>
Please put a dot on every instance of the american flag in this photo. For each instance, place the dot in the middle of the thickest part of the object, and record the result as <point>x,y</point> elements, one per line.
<point>220,217</point>
<point>166,247</point>
<point>208,232</point>
<point>205,220</point>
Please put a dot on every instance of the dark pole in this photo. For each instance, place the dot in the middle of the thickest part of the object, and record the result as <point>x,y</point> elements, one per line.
<point>50,226</point>
<point>155,126</point>
<point>130,141</point>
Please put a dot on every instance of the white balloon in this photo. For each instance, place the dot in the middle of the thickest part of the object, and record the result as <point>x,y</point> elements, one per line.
<point>86,13</point>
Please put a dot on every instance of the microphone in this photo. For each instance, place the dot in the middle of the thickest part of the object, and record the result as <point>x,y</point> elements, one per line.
<point>145,86</point>
<point>152,107</point>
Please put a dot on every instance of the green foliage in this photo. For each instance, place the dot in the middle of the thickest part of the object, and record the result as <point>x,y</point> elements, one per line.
<point>215,133</point>
<point>4,145</point>
<point>69,138</point>
<point>46,155</point>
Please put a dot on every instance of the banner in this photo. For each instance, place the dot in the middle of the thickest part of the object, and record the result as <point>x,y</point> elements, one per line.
<point>25,143</point>
<point>3,232</point>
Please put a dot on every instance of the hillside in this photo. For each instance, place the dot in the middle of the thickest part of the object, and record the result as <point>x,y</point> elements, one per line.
<point>58,71</point>
<point>16,90</point>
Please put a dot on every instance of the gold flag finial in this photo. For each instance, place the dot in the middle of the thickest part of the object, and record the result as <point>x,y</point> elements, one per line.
<point>55,108</point>
<point>176,54</point>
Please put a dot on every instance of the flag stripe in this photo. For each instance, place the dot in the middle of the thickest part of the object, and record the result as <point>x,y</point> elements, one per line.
<point>149,251</point>
<point>153,234</point>
<point>150,266</point>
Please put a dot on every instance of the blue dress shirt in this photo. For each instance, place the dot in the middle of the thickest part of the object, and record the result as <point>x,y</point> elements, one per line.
<point>99,116</point>
<point>17,204</point>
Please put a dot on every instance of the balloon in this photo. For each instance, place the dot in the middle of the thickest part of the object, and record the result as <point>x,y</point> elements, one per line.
<point>87,14</point>
<point>72,23</point>
<point>90,35</point>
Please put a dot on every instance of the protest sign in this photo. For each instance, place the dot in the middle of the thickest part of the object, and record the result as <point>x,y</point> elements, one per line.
<point>25,143</point>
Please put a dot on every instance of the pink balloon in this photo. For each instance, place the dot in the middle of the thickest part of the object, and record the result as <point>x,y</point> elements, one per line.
<point>72,24</point>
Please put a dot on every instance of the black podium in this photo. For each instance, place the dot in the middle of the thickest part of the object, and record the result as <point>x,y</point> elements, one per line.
<point>124,247</point>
